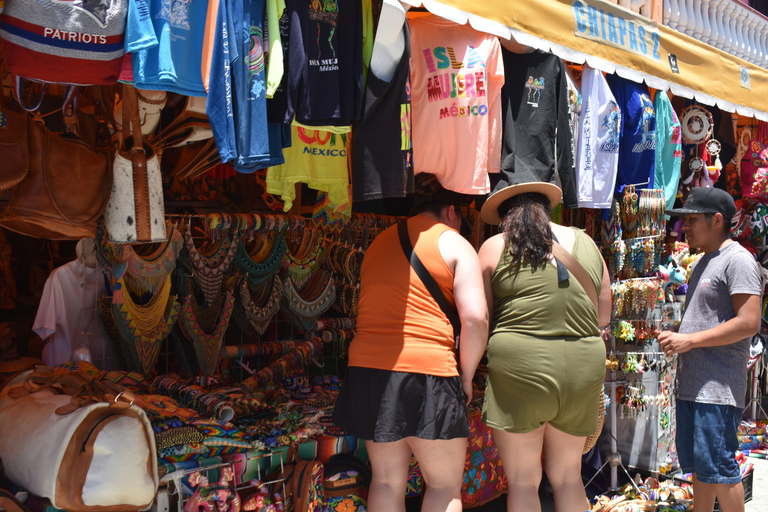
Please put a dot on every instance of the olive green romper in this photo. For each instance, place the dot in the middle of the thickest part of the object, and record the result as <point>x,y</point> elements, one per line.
<point>546,360</point>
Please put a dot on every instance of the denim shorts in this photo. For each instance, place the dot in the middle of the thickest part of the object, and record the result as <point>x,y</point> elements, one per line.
<point>707,441</point>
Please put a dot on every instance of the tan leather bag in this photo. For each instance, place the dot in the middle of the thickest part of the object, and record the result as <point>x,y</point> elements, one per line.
<point>60,185</point>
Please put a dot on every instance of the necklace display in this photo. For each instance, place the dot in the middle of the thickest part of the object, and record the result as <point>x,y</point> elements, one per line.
<point>264,260</point>
<point>629,211</point>
<point>144,327</point>
<point>207,344</point>
<point>304,305</point>
<point>258,311</point>
<point>304,259</point>
<point>210,271</point>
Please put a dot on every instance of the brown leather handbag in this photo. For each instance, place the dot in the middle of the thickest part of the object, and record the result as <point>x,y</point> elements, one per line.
<point>65,189</point>
<point>14,148</point>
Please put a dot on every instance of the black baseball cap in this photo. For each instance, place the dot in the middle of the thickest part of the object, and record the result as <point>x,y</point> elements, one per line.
<point>708,200</point>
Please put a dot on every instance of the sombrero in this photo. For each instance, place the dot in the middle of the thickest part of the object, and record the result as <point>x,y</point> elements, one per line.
<point>490,210</point>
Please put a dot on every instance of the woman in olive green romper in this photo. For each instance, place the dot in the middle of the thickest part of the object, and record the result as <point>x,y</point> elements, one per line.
<point>546,357</point>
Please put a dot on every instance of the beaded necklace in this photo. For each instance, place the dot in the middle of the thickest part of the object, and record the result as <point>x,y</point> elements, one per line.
<point>121,354</point>
<point>210,271</point>
<point>260,313</point>
<point>145,327</point>
<point>304,306</point>
<point>147,273</point>
<point>207,346</point>
<point>307,257</point>
<point>264,261</point>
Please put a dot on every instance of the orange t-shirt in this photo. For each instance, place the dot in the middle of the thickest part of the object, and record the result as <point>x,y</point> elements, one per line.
<point>400,327</point>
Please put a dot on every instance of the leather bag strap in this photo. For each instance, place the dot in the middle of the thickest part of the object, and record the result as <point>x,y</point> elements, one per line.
<point>427,279</point>
<point>139,163</point>
<point>577,270</point>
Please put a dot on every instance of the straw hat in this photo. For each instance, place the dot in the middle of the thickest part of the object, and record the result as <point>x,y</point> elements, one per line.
<point>490,211</point>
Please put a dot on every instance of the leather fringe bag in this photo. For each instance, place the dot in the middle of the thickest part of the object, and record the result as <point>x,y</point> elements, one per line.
<point>78,442</point>
<point>60,185</point>
<point>136,211</point>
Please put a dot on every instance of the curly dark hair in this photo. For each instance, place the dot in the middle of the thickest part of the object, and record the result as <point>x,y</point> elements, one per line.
<point>527,233</point>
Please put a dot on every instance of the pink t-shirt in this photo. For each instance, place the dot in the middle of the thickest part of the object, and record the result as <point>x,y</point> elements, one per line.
<point>456,79</point>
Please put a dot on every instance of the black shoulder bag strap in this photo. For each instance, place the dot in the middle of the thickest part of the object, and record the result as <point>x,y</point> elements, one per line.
<point>428,280</point>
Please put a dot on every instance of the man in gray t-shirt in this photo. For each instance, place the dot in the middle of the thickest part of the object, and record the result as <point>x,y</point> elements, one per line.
<point>722,314</point>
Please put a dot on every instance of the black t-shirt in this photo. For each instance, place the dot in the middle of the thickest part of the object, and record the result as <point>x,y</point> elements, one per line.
<point>536,125</point>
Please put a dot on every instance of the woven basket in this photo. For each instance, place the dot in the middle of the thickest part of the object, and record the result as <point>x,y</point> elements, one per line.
<point>592,440</point>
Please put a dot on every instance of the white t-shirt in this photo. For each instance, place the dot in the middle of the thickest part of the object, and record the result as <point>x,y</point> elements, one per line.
<point>67,313</point>
<point>597,157</point>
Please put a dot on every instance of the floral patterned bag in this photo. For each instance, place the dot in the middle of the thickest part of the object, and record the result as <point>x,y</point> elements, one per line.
<point>754,160</point>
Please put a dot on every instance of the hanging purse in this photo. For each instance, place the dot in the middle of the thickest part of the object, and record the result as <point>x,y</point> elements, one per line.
<point>64,186</point>
<point>136,212</point>
<point>755,157</point>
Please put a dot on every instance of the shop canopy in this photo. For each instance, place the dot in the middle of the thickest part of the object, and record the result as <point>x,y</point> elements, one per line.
<point>613,39</point>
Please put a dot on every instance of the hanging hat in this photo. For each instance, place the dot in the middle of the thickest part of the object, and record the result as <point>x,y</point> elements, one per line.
<point>490,211</point>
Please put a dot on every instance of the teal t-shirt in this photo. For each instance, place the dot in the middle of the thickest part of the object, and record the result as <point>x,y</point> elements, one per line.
<point>668,148</point>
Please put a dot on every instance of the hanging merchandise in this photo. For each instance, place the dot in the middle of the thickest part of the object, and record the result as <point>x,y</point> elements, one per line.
<point>456,79</point>
<point>151,104</point>
<point>325,63</point>
<point>696,124</point>
<point>65,184</point>
<point>14,146</point>
<point>754,159</point>
<point>143,272</point>
<point>536,133</point>
<point>637,148</point>
<point>259,310</point>
<point>237,106</point>
<point>211,268</point>
<point>382,150</point>
<point>575,106</point>
<point>317,158</point>
<point>165,39</point>
<point>597,154</point>
<point>669,153</point>
<point>143,328</point>
<point>205,328</point>
<point>304,303</point>
<point>66,42</point>
<point>135,212</point>
<point>263,260</point>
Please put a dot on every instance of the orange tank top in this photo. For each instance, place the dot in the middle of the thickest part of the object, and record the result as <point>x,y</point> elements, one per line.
<point>400,327</point>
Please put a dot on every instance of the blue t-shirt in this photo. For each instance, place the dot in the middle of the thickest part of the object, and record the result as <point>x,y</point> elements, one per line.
<point>237,107</point>
<point>139,31</point>
<point>637,146</point>
<point>174,63</point>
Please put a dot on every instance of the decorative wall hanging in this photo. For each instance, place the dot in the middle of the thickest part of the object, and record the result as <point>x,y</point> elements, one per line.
<point>696,124</point>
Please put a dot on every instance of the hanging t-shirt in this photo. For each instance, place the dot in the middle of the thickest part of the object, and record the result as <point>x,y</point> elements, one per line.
<point>537,137</point>
<point>237,102</point>
<point>669,154</point>
<point>67,312</point>
<point>317,158</point>
<point>597,156</point>
<point>382,153</point>
<point>174,63</point>
<point>637,149</point>
<point>456,78</point>
<point>574,111</point>
<point>325,62</point>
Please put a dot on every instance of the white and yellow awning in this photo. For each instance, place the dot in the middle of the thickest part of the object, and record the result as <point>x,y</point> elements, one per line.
<point>613,39</point>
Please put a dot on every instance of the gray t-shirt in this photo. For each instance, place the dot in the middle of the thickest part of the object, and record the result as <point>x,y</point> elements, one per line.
<point>716,375</point>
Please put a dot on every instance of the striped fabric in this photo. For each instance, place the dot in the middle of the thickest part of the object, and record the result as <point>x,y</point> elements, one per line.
<point>76,42</point>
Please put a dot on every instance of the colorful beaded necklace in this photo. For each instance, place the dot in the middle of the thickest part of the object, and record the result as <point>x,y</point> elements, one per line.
<point>260,313</point>
<point>210,271</point>
<point>264,260</point>
<point>207,346</point>
<point>143,328</point>
<point>305,258</point>
<point>148,273</point>
<point>304,306</point>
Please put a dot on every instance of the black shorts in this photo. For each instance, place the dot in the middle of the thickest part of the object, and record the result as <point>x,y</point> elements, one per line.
<point>386,406</point>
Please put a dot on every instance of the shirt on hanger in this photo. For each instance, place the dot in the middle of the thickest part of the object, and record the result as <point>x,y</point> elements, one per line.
<point>382,151</point>
<point>174,63</point>
<point>456,79</point>
<point>317,158</point>
<point>536,145</point>
<point>637,149</point>
<point>597,155</point>
<point>669,154</point>
<point>67,311</point>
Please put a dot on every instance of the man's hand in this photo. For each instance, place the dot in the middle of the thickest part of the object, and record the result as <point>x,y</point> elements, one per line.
<point>466,385</point>
<point>675,343</point>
